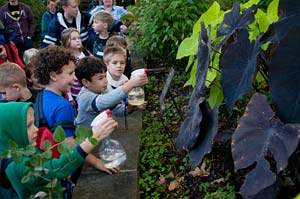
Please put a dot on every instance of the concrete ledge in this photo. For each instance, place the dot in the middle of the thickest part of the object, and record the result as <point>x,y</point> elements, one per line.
<point>124,185</point>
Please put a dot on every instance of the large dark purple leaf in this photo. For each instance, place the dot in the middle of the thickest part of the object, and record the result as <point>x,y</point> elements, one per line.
<point>209,129</point>
<point>190,127</point>
<point>203,54</point>
<point>289,7</point>
<point>234,21</point>
<point>284,77</point>
<point>238,64</point>
<point>278,30</point>
<point>258,179</point>
<point>258,134</point>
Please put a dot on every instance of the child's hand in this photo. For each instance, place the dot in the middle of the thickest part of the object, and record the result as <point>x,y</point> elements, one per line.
<point>100,165</point>
<point>104,128</point>
<point>140,80</point>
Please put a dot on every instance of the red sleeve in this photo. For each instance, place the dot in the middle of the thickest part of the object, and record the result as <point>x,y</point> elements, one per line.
<point>16,57</point>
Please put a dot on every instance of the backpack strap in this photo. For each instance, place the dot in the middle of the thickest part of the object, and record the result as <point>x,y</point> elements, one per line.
<point>39,112</point>
<point>42,122</point>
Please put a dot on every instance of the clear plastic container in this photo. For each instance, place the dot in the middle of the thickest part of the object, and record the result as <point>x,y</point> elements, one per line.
<point>112,153</point>
<point>136,96</point>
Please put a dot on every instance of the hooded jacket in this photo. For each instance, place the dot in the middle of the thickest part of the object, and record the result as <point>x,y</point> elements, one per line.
<point>13,126</point>
<point>58,24</point>
<point>24,27</point>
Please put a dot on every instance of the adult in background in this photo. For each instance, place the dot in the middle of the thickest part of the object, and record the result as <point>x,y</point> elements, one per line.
<point>116,11</point>
<point>19,17</point>
<point>47,17</point>
<point>67,16</point>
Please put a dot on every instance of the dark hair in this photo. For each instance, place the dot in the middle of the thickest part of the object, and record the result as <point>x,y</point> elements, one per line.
<point>51,59</point>
<point>87,67</point>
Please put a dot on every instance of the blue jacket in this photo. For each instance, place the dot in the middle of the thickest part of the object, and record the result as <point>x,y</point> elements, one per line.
<point>57,25</point>
<point>46,19</point>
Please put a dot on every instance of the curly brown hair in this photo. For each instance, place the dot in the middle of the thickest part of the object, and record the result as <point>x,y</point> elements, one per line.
<point>51,59</point>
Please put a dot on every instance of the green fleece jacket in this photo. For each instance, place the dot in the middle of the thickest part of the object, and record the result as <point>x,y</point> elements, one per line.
<point>13,126</point>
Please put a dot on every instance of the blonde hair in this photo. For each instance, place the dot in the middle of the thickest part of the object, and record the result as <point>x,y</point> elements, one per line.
<point>11,73</point>
<point>109,52</point>
<point>66,37</point>
<point>29,54</point>
<point>116,40</point>
<point>105,17</point>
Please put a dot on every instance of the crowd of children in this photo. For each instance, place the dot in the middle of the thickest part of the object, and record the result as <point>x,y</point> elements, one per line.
<point>75,82</point>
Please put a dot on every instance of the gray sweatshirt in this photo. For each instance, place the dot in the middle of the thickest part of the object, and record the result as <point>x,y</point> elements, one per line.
<point>90,104</point>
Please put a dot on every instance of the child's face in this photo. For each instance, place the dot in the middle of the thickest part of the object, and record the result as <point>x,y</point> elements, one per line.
<point>62,82</point>
<point>31,128</point>
<point>75,41</point>
<point>98,83</point>
<point>51,7</point>
<point>98,25</point>
<point>11,93</point>
<point>116,66</point>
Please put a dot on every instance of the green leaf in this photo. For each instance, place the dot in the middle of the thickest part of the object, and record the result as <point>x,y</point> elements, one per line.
<point>190,62</point>
<point>188,46</point>
<point>47,144</point>
<point>93,141</point>
<point>248,4</point>
<point>34,161</point>
<point>64,148</point>
<point>192,79</point>
<point>215,96</point>
<point>29,150</point>
<point>80,133</point>
<point>210,15</point>
<point>47,155</point>
<point>12,145</point>
<point>272,11</point>
<point>59,134</point>
<point>26,178</point>
<point>210,76</point>
<point>262,20</point>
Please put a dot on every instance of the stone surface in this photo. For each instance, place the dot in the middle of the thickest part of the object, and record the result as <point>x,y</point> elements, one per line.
<point>96,184</point>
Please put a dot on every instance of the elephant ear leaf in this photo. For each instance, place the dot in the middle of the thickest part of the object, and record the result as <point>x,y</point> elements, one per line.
<point>233,21</point>
<point>260,136</point>
<point>284,77</point>
<point>208,129</point>
<point>190,127</point>
<point>238,65</point>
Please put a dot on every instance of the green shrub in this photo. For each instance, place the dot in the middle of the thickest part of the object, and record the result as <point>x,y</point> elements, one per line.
<point>161,25</point>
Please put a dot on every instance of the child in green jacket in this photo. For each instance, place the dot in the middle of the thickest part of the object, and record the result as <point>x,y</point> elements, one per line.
<point>17,124</point>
